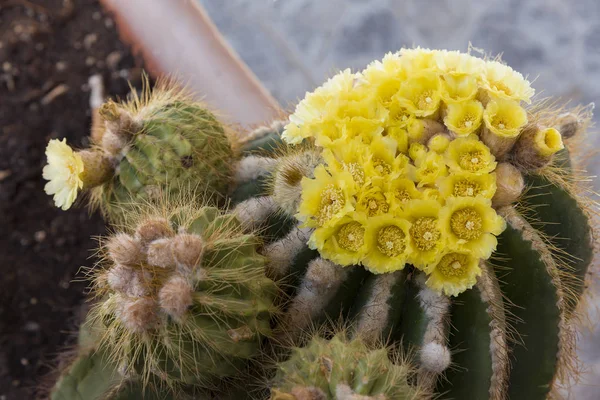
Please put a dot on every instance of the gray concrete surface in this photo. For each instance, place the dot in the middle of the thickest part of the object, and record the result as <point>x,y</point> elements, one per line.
<point>294,45</point>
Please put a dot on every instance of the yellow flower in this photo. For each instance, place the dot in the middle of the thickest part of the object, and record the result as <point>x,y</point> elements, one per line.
<point>360,127</point>
<point>417,152</point>
<point>343,243</point>
<point>439,143</point>
<point>326,198</point>
<point>501,81</point>
<point>372,202</point>
<point>505,118</point>
<point>432,194</point>
<point>470,224</point>
<point>548,141</point>
<point>452,273</point>
<point>469,155</point>
<point>461,64</point>
<point>400,191</point>
<point>315,106</point>
<point>385,76</point>
<point>383,162</point>
<point>458,87</point>
<point>399,116</point>
<point>387,243</point>
<point>425,233</point>
<point>350,156</point>
<point>418,60</point>
<point>466,184</point>
<point>415,130</point>
<point>63,172</point>
<point>400,136</point>
<point>421,94</point>
<point>464,118</point>
<point>430,169</point>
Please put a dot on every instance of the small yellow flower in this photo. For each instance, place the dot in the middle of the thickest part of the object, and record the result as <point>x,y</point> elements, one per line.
<point>372,202</point>
<point>452,273</point>
<point>432,194</point>
<point>384,163</point>
<point>504,118</point>
<point>326,198</point>
<point>388,244</point>
<point>417,152</point>
<point>457,88</point>
<point>470,224</point>
<point>430,169</point>
<point>343,243</point>
<point>360,127</point>
<point>418,60</point>
<point>548,141</point>
<point>425,233</point>
<point>63,172</point>
<point>501,81</point>
<point>416,130</point>
<point>385,76</point>
<point>460,64</point>
<point>400,136</point>
<point>316,105</point>
<point>464,118</point>
<point>421,94</point>
<point>399,116</point>
<point>439,143</point>
<point>400,191</point>
<point>469,155</point>
<point>350,156</point>
<point>467,184</point>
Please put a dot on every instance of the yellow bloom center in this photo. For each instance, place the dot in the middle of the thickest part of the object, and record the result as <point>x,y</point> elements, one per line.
<point>499,86</point>
<point>351,236</point>
<point>424,99</point>
<point>466,224</point>
<point>402,195</point>
<point>391,241</point>
<point>424,233</point>
<point>375,204</point>
<point>357,172</point>
<point>472,161</point>
<point>381,166</point>
<point>466,188</point>
<point>332,201</point>
<point>453,265</point>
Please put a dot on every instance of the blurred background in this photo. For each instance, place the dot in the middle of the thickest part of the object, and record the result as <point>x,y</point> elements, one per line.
<point>49,49</point>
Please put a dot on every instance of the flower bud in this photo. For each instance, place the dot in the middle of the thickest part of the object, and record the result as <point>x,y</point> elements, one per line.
<point>509,185</point>
<point>536,146</point>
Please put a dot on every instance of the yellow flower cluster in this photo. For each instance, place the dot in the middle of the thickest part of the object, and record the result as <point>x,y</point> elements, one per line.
<point>406,178</point>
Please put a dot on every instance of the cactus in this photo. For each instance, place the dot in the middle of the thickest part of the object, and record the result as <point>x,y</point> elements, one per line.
<point>423,198</point>
<point>158,141</point>
<point>181,300</point>
<point>340,368</point>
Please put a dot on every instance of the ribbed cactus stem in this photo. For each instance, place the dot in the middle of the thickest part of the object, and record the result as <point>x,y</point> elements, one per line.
<point>255,211</point>
<point>373,322</point>
<point>322,281</point>
<point>491,295</point>
<point>535,286</point>
<point>282,253</point>
<point>252,167</point>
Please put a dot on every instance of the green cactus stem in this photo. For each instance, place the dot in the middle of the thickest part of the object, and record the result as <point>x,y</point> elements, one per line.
<point>159,141</point>
<point>344,369</point>
<point>182,298</point>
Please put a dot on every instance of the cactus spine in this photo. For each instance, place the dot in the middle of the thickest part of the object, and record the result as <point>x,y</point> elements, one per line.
<point>523,301</point>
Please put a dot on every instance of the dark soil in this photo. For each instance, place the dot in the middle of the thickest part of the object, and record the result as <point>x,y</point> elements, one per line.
<point>48,50</point>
